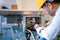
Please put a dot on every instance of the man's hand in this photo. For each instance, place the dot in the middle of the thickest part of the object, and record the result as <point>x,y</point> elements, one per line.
<point>37,26</point>
<point>38,29</point>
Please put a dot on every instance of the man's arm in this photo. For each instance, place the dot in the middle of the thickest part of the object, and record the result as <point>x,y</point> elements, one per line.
<point>51,31</point>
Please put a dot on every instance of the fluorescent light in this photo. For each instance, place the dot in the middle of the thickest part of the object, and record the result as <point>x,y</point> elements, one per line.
<point>27,12</point>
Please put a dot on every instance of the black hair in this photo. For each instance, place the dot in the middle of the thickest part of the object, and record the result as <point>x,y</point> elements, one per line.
<point>55,1</point>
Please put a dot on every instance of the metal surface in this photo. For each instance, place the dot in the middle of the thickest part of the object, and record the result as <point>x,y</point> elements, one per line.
<point>18,12</point>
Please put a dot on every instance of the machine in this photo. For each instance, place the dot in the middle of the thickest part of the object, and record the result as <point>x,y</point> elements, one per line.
<point>16,25</point>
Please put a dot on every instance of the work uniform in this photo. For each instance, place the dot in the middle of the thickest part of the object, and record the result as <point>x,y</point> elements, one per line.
<point>51,31</point>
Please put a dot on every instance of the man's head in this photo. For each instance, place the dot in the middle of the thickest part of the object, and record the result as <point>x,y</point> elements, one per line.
<point>50,6</point>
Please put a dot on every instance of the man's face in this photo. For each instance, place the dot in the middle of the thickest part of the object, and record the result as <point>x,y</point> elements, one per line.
<point>52,8</point>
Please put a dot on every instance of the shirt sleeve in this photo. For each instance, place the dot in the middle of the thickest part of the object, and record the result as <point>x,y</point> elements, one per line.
<point>51,31</point>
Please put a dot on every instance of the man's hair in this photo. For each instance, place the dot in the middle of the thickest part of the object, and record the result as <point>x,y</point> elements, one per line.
<point>55,1</point>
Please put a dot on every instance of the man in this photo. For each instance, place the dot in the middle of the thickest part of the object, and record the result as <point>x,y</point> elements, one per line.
<point>52,7</point>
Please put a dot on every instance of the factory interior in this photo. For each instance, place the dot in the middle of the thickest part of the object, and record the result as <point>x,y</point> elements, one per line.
<point>17,19</point>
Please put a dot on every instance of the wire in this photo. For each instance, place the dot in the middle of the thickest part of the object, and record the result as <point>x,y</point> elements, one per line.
<point>31,34</point>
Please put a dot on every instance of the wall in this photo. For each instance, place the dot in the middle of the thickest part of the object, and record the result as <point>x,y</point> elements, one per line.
<point>23,5</point>
<point>29,5</point>
<point>8,3</point>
